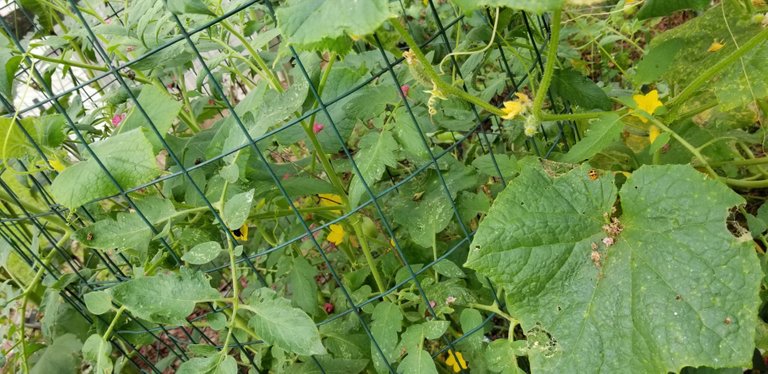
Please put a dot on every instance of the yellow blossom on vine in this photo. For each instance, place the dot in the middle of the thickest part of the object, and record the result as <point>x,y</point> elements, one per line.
<point>241,234</point>
<point>523,98</point>
<point>337,234</point>
<point>57,165</point>
<point>456,361</point>
<point>329,199</point>
<point>647,103</point>
<point>511,109</point>
<point>715,46</point>
<point>653,133</point>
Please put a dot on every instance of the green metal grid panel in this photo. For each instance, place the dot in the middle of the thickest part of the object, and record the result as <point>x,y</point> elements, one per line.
<point>17,219</point>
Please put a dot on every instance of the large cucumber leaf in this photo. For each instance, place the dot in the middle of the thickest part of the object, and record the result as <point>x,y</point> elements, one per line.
<point>674,289</point>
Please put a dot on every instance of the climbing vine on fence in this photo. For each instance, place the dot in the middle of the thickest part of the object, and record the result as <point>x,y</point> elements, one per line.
<point>500,186</point>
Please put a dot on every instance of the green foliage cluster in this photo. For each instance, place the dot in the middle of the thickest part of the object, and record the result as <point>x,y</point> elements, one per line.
<point>320,186</point>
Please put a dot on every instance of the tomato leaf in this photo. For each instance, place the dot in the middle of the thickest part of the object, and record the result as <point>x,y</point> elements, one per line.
<point>236,209</point>
<point>128,231</point>
<point>202,253</point>
<point>377,151</point>
<point>160,107</point>
<point>165,298</point>
<point>278,323</point>
<point>320,23</point>
<point>386,324</point>
<point>128,157</point>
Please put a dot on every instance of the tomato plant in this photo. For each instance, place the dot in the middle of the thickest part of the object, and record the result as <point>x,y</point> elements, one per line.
<point>499,186</point>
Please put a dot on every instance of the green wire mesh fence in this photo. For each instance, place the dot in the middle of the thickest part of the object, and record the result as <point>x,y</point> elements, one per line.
<point>76,94</point>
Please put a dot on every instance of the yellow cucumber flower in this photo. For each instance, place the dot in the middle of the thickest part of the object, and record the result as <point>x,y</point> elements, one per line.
<point>653,133</point>
<point>337,234</point>
<point>241,234</point>
<point>329,199</point>
<point>511,109</point>
<point>456,361</point>
<point>647,103</point>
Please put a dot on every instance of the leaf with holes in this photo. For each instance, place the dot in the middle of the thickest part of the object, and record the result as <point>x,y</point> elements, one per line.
<point>674,289</point>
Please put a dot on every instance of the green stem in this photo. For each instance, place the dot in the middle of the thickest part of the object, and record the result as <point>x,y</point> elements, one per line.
<point>441,84</point>
<point>323,80</point>
<point>434,257</point>
<point>265,70</point>
<point>290,212</point>
<point>193,125</point>
<point>339,185</point>
<point>235,54</point>
<point>269,238</point>
<point>113,324</point>
<point>62,61</point>
<point>81,65</point>
<point>706,77</point>
<point>493,308</point>
<point>746,162</point>
<point>235,295</point>
<point>324,160</point>
<point>748,152</point>
<point>549,68</point>
<point>697,110</point>
<point>357,227</point>
<point>763,183</point>
<point>573,116</point>
<point>23,311</point>
<point>694,151</point>
<point>27,291</point>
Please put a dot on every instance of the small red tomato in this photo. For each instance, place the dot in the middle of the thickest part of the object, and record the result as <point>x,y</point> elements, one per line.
<point>405,88</point>
<point>328,307</point>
